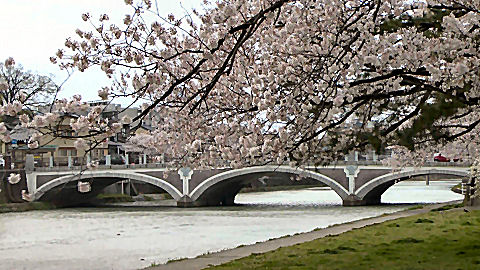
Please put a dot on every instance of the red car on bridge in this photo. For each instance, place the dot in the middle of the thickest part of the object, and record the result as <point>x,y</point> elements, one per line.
<point>439,158</point>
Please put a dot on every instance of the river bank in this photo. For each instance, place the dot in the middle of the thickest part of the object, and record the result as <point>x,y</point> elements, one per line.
<point>103,200</point>
<point>457,188</point>
<point>23,207</point>
<point>298,249</point>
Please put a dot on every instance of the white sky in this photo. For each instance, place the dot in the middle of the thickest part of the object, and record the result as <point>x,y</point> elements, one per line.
<point>33,30</point>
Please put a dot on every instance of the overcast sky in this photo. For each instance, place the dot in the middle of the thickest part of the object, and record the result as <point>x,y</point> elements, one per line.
<point>33,30</point>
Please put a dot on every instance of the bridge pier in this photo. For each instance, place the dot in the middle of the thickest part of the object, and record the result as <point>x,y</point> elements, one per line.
<point>353,200</point>
<point>185,202</point>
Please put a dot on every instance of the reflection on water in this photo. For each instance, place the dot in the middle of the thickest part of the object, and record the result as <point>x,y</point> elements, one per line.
<point>135,237</point>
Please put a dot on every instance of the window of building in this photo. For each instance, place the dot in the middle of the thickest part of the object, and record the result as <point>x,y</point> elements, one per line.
<point>63,152</point>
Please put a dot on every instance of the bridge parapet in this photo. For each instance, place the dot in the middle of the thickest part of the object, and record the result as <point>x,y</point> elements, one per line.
<point>101,167</point>
<point>165,166</point>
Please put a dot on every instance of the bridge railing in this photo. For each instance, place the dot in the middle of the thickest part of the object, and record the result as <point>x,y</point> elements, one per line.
<point>163,166</point>
<point>101,167</point>
<point>79,163</point>
<point>382,163</point>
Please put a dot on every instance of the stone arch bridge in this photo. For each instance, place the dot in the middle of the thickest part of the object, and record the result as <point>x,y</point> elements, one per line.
<point>355,184</point>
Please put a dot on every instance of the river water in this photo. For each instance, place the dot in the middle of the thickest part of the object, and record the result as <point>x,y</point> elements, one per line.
<point>135,237</point>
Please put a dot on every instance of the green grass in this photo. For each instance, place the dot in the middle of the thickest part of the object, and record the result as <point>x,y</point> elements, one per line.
<point>457,188</point>
<point>435,240</point>
<point>167,196</point>
<point>114,198</point>
<point>447,207</point>
<point>148,198</point>
<point>27,206</point>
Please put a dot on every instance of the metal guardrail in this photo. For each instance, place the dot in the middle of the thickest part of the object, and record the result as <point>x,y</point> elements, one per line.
<point>425,164</point>
<point>100,167</point>
<point>163,165</point>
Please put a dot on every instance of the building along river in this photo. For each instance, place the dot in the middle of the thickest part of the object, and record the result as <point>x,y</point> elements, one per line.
<point>135,237</point>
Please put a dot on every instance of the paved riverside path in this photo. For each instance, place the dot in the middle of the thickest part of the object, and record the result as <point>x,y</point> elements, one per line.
<point>228,255</point>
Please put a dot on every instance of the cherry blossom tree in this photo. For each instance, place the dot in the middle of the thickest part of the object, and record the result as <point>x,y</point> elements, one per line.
<point>22,95</point>
<point>278,81</point>
<point>23,90</point>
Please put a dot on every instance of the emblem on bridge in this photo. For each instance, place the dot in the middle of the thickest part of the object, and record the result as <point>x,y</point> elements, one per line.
<point>185,175</point>
<point>83,187</point>
<point>351,172</point>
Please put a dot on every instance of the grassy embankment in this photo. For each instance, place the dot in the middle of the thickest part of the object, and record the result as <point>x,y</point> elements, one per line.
<point>457,188</point>
<point>435,240</point>
<point>114,198</point>
<point>29,206</point>
<point>120,198</point>
<point>22,207</point>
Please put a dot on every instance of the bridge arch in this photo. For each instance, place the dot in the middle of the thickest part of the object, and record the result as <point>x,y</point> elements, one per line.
<point>169,188</point>
<point>228,179</point>
<point>373,189</point>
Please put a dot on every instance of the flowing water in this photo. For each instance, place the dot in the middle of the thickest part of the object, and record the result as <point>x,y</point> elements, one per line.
<point>135,237</point>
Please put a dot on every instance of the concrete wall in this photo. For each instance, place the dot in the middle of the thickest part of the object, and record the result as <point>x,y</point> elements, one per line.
<point>335,173</point>
<point>365,175</point>
<point>173,178</point>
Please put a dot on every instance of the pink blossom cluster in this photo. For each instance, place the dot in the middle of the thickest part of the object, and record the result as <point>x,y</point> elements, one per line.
<point>11,109</point>
<point>9,62</point>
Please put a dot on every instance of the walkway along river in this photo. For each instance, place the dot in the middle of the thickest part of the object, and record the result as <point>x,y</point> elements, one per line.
<point>136,237</point>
